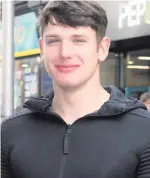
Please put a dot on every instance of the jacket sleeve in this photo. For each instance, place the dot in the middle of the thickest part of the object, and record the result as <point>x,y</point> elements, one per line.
<point>6,171</point>
<point>143,170</point>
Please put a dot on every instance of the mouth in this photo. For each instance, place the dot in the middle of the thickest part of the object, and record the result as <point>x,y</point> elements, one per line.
<point>67,68</point>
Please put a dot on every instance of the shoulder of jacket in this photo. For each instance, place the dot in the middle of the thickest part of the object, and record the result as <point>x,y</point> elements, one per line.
<point>20,113</point>
<point>141,113</point>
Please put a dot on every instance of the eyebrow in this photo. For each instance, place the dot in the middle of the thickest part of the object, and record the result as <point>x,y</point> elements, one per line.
<point>79,35</point>
<point>74,36</point>
<point>48,36</point>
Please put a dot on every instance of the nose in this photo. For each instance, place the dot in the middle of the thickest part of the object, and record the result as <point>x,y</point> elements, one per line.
<point>66,50</point>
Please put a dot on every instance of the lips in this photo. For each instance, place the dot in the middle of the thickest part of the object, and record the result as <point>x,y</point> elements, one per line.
<point>67,68</point>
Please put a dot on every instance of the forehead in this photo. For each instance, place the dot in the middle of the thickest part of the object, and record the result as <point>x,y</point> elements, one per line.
<point>63,31</point>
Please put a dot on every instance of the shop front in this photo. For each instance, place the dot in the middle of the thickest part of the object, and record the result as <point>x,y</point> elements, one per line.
<point>129,30</point>
<point>26,62</point>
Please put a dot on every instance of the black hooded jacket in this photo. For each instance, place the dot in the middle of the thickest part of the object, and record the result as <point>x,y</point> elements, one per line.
<point>113,142</point>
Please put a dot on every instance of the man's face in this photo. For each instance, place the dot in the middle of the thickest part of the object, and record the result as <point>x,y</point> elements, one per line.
<point>147,103</point>
<point>71,55</point>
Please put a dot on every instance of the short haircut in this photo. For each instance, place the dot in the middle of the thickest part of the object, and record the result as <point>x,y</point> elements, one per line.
<point>74,14</point>
<point>145,96</point>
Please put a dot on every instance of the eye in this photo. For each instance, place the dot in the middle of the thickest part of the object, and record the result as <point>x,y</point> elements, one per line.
<point>79,40</point>
<point>53,41</point>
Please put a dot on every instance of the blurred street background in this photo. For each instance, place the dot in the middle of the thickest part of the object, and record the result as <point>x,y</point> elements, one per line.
<point>22,74</point>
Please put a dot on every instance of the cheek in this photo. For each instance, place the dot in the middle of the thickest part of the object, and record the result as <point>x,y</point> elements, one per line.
<point>92,51</point>
<point>88,53</point>
<point>50,56</point>
<point>50,62</point>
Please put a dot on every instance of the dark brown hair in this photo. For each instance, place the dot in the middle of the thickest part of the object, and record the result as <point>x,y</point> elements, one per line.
<point>74,13</point>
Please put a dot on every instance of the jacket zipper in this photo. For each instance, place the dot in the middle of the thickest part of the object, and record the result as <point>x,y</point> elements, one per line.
<point>65,151</point>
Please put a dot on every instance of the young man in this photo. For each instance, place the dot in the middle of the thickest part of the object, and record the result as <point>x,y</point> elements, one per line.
<point>80,129</point>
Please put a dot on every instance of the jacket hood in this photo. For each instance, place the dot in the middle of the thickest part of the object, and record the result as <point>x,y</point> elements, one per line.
<point>117,104</point>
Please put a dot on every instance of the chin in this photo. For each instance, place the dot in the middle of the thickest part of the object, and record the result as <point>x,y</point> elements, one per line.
<point>68,85</point>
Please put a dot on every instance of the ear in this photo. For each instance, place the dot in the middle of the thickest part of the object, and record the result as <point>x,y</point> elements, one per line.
<point>41,48</point>
<point>103,49</point>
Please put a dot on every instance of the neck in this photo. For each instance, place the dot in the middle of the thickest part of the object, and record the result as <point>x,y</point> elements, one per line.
<point>71,105</point>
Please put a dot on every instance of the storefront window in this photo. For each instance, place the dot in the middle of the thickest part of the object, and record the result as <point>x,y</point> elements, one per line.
<point>138,68</point>
<point>26,80</point>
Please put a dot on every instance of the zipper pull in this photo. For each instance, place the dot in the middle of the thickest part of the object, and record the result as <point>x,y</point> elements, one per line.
<point>66,140</point>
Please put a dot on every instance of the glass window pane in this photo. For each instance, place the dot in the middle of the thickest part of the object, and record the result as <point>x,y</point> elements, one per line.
<point>138,68</point>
